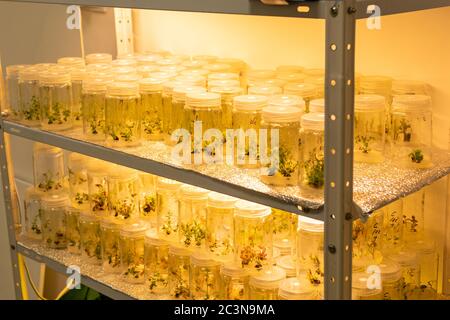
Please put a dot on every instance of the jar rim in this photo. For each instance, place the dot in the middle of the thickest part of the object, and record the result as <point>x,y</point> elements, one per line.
<point>98,57</point>
<point>247,209</point>
<point>292,289</point>
<point>203,99</point>
<point>133,230</point>
<point>313,121</point>
<point>203,259</point>
<point>370,102</point>
<point>220,200</point>
<point>281,114</point>
<point>309,224</point>
<point>250,102</point>
<point>264,90</point>
<point>268,278</point>
<point>286,100</point>
<point>180,93</point>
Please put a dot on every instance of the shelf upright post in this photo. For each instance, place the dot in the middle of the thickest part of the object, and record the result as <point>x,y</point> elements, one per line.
<point>339,100</point>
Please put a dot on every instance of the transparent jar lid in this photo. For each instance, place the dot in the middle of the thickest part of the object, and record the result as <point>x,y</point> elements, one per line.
<point>281,114</point>
<point>168,86</point>
<point>317,106</point>
<point>404,258</point>
<point>285,247</point>
<point>201,100</point>
<point>44,66</point>
<point>304,90</point>
<point>423,247</point>
<point>217,67</point>
<point>287,263</point>
<point>130,77</point>
<point>30,73</point>
<point>259,74</point>
<point>145,70</point>
<point>370,102</point>
<point>151,85</point>
<point>33,193</point>
<point>54,78</point>
<point>180,93</point>
<point>124,63</point>
<point>233,269</point>
<point>264,90</point>
<point>98,58</point>
<point>249,209</point>
<point>223,76</point>
<point>412,103</point>
<point>168,184</point>
<point>127,55</point>
<point>289,69</point>
<point>235,63</point>
<point>203,259</point>
<point>179,250</point>
<point>268,278</point>
<point>219,200</point>
<point>311,225</point>
<point>117,71</point>
<point>73,211</point>
<point>200,72</point>
<point>162,75</point>
<point>96,84</point>
<point>284,100</point>
<point>292,77</point>
<point>151,237</point>
<point>267,82</point>
<point>13,70</point>
<point>295,289</point>
<point>172,69</point>
<point>54,201</point>
<point>72,61</point>
<point>250,102</point>
<point>192,79</point>
<point>224,83</point>
<point>194,64</point>
<point>390,271</point>
<point>313,121</point>
<point>123,89</point>
<point>192,192</point>
<point>111,223</point>
<point>319,81</point>
<point>409,87</point>
<point>133,230</point>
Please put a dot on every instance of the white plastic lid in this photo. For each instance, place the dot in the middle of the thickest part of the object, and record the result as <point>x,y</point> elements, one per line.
<point>123,89</point>
<point>287,263</point>
<point>124,63</point>
<point>179,250</point>
<point>162,75</point>
<point>268,278</point>
<point>179,93</point>
<point>54,78</point>
<point>192,79</point>
<point>44,66</point>
<point>227,93</point>
<point>167,62</point>
<point>250,102</point>
<point>55,201</point>
<point>151,237</point>
<point>98,58</point>
<point>412,103</point>
<point>13,70</point>
<point>369,102</point>
<point>203,259</point>
<point>147,59</point>
<point>30,73</point>
<point>283,100</point>
<point>193,192</point>
<point>223,76</point>
<point>304,90</point>
<point>233,269</point>
<point>249,209</point>
<point>292,77</point>
<point>289,69</point>
<point>95,84</point>
<point>72,61</point>
<point>317,106</point>
<point>172,69</point>
<point>295,289</point>
<point>78,73</point>
<point>151,85</point>
<point>117,71</point>
<point>219,200</point>
<point>194,64</point>
<point>203,100</point>
<point>359,282</point>
<point>313,121</point>
<point>146,70</point>
<point>267,82</point>
<point>390,271</point>
<point>98,67</point>
<point>281,114</point>
<point>264,90</point>
<point>311,225</point>
<point>259,74</point>
<point>168,86</point>
<point>200,72</point>
<point>168,184</point>
<point>409,87</point>
<point>133,230</point>
<point>404,258</point>
<point>217,67</point>
<point>223,83</point>
<point>129,77</point>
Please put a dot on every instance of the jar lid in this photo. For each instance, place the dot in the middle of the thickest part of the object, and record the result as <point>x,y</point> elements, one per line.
<point>369,102</point>
<point>359,282</point>
<point>390,271</point>
<point>98,58</point>
<point>77,161</point>
<point>295,289</point>
<point>193,192</point>
<point>223,76</point>
<point>86,216</point>
<point>98,67</point>
<point>281,114</point>
<point>194,64</point>
<point>264,90</point>
<point>284,245</point>
<point>118,71</point>
<point>311,225</point>
<point>224,83</point>
<point>111,223</point>
<point>317,106</point>
<point>267,82</point>
<point>283,100</point>
<point>304,90</point>
<point>217,67</point>
<point>313,121</point>
<point>227,93</point>
<point>30,73</point>
<point>205,57</point>
<point>129,77</point>
<point>261,74</point>
<point>145,70</point>
<point>167,62</point>
<point>403,258</point>
<point>133,230</point>
<point>268,278</point>
<point>168,184</point>
<point>122,62</point>
<point>127,55</point>
<point>151,85</point>
<point>180,93</point>
<point>409,87</point>
<point>54,78</point>
<point>249,209</point>
<point>148,59</point>
<point>219,200</point>
<point>289,69</point>
<point>78,73</point>
<point>44,66</point>
<point>314,72</point>
<point>33,193</point>
<point>151,237</point>
<point>192,79</point>
<point>292,77</point>
<point>200,72</point>
<point>71,61</point>
<point>412,103</point>
<point>375,82</point>
<point>203,259</point>
<point>203,99</point>
<point>162,75</point>
<point>287,263</point>
<point>250,102</point>
<point>55,201</point>
<point>123,89</point>
<point>95,84</point>
<point>233,269</point>
<point>13,70</point>
<point>179,250</point>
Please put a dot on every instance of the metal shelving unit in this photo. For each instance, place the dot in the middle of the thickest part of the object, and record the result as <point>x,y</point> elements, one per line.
<point>339,209</point>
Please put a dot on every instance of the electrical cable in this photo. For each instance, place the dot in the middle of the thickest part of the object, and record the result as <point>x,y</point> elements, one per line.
<point>23,283</point>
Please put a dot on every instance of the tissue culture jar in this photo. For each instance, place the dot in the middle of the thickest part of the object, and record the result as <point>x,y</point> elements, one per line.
<point>73,230</point>
<point>393,226</point>
<point>362,288</point>
<point>428,259</point>
<point>29,102</point>
<point>295,289</point>
<point>156,263</point>
<point>410,267</point>
<point>391,280</point>
<point>413,216</point>
<point>98,188</point>
<point>93,108</point>
<point>265,285</point>
<point>147,197</point>
<point>179,265</point>
<point>204,278</point>
<point>48,168</point>
<point>234,282</point>
<point>152,108</point>
<point>78,181</point>
<point>131,248</point>
<point>109,235</point>
<point>284,229</point>
<point>77,89</point>
<point>53,219</point>
<point>123,194</point>
<point>367,239</point>
<point>32,205</point>
<point>178,117</point>
<point>227,95</point>
<point>90,239</point>
<point>167,209</point>
<point>12,90</point>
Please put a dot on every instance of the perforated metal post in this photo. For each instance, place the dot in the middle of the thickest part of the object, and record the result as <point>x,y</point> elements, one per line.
<point>339,95</point>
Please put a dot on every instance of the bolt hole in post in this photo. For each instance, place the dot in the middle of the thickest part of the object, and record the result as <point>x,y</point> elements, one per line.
<point>333,117</point>
<point>333,47</point>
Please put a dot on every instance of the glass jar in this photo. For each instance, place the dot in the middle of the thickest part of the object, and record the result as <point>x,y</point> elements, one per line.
<point>131,249</point>
<point>32,206</point>
<point>177,120</point>
<point>123,194</point>
<point>55,92</point>
<point>379,85</point>
<point>393,226</point>
<point>264,90</point>
<point>247,120</point>
<point>253,234</point>
<point>288,264</point>
<point>411,131</point>
<point>227,95</point>
<point>220,226</point>
<point>98,58</point>
<point>401,87</point>
<point>369,128</point>
<point>391,280</point>
<point>364,288</point>
<point>317,106</point>
<point>310,237</point>
<point>78,181</point>
<point>53,220</point>
<point>295,289</point>
<point>97,173</point>
<point>167,93</point>
<point>179,265</point>
<point>93,107</point>
<point>156,263</point>
<point>410,266</point>
<point>90,243</point>
<point>281,169</point>
<point>284,230</point>
<point>123,114</point>
<point>312,162</point>
<point>367,239</point>
<point>305,91</point>
<point>48,168</point>
<point>429,266</point>
<point>73,230</point>
<point>234,282</point>
<point>413,216</point>
<point>147,197</point>
<point>192,216</point>
<point>265,285</point>
<point>204,277</point>
<point>110,234</point>
<point>167,208</point>
<point>152,112</point>
<point>12,90</point>
<point>29,99</point>
<point>78,75</point>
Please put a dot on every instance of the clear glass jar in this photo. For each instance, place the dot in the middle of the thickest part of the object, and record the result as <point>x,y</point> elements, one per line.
<point>234,282</point>
<point>29,99</point>
<point>369,128</point>
<point>98,58</point>
<point>393,226</point>
<point>192,216</point>
<point>312,162</point>
<point>410,266</point>
<point>282,169</point>
<point>167,108</point>
<point>227,95</point>
<point>238,66</point>
<point>413,216</point>
<point>32,206</point>
<point>391,280</point>
<point>152,112</point>
<point>12,90</point>
<point>110,234</point>
<point>93,107</point>
<point>55,92</point>
<point>97,173</point>
<point>156,263</point>
<point>220,226</point>
<point>53,219</point>
<point>131,249</point>
<point>288,264</point>
<point>305,91</point>
<point>264,90</point>
<point>78,75</point>
<point>247,120</point>
<point>310,237</point>
<point>317,106</point>
<point>123,114</point>
<point>411,131</point>
<point>48,168</point>
<point>178,117</point>
<point>379,85</point>
<point>265,285</point>
<point>147,197</point>
<point>429,266</point>
<point>367,239</point>
<point>295,289</point>
<point>253,234</point>
<point>90,243</point>
<point>179,265</point>
<point>204,277</point>
<point>123,194</point>
<point>73,230</point>
<point>167,208</point>
<point>401,87</point>
<point>364,289</point>
<point>78,180</point>
<point>284,230</point>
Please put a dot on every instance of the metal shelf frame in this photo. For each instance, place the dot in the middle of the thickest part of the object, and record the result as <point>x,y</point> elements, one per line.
<point>338,214</point>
